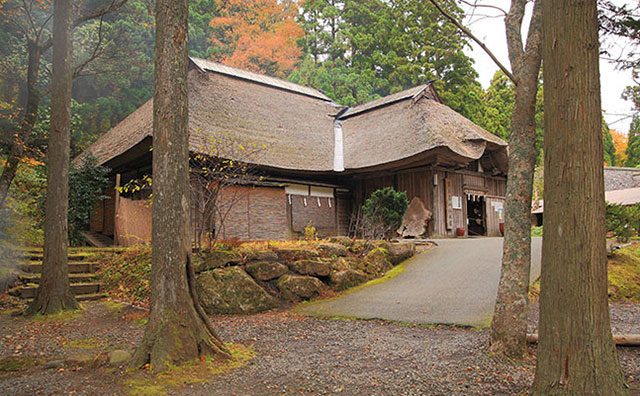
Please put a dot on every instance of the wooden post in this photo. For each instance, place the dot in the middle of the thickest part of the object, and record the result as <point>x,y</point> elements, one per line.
<point>116,209</point>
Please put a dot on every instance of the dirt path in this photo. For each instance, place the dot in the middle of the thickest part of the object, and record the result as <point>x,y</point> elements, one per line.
<point>455,283</point>
<point>295,356</point>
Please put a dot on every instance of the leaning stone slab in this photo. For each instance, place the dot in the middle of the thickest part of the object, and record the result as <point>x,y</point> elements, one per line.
<point>415,219</point>
<point>311,267</point>
<point>266,270</point>
<point>230,291</point>
<point>295,287</point>
<point>217,259</point>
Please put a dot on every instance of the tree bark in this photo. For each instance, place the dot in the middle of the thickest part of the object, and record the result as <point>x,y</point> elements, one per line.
<point>54,292</point>
<point>509,323</point>
<point>32,102</point>
<point>178,330</point>
<point>576,353</point>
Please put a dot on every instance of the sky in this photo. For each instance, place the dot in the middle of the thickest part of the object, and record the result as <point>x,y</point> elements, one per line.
<point>488,25</point>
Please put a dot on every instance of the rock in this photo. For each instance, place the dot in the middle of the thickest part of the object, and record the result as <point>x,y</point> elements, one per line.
<point>332,249</point>
<point>266,270</point>
<point>230,290</point>
<point>54,364</point>
<point>118,357</point>
<point>294,287</point>
<point>347,278</point>
<point>217,259</point>
<point>293,254</point>
<point>376,262</point>
<point>311,267</point>
<point>343,240</point>
<point>260,255</point>
<point>415,219</point>
<point>397,252</point>
<point>344,263</point>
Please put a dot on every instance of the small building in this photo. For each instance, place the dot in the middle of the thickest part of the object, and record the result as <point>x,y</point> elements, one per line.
<point>320,160</point>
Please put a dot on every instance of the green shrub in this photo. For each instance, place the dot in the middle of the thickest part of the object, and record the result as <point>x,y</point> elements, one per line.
<point>622,222</point>
<point>86,184</point>
<point>536,231</point>
<point>383,212</point>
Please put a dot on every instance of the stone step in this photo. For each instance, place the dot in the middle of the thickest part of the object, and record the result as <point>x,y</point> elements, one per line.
<point>38,256</point>
<point>73,278</point>
<point>74,268</point>
<point>76,288</point>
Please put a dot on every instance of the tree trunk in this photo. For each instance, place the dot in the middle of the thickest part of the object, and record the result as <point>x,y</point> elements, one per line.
<point>509,323</point>
<point>34,53</point>
<point>178,330</point>
<point>576,353</point>
<point>54,293</point>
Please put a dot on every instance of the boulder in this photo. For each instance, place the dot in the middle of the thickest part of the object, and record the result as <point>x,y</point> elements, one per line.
<point>217,259</point>
<point>376,262</point>
<point>415,219</point>
<point>266,270</point>
<point>397,252</point>
<point>344,263</point>
<point>295,287</point>
<point>260,255</point>
<point>332,249</point>
<point>230,290</point>
<point>343,240</point>
<point>315,267</point>
<point>345,279</point>
<point>118,357</point>
<point>293,254</point>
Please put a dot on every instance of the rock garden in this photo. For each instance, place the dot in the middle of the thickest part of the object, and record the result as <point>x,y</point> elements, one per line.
<point>234,277</point>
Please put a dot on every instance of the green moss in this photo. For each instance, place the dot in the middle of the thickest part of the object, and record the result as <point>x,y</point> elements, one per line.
<point>86,343</point>
<point>141,322</point>
<point>624,274</point>
<point>113,306</point>
<point>64,316</point>
<point>392,273</point>
<point>144,384</point>
<point>17,363</point>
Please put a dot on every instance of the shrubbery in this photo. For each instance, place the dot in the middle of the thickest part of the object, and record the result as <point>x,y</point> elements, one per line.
<point>383,212</point>
<point>127,275</point>
<point>622,222</point>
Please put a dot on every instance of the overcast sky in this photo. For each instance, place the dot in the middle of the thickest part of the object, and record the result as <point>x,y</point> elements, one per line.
<point>488,25</point>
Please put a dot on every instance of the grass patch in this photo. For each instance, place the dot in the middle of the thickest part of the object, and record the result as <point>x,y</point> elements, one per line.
<point>624,274</point>
<point>60,317</point>
<point>17,363</point>
<point>144,384</point>
<point>536,231</point>
<point>86,343</point>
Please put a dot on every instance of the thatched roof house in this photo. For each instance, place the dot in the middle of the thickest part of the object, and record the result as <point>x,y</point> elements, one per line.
<point>310,140</point>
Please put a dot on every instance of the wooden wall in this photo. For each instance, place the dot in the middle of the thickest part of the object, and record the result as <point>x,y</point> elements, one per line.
<point>132,221</point>
<point>429,185</point>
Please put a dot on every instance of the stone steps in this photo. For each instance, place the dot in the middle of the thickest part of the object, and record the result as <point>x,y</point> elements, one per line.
<point>77,289</point>
<point>82,276</point>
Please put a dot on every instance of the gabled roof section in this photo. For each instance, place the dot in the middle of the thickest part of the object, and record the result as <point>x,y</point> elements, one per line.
<point>258,78</point>
<point>412,93</point>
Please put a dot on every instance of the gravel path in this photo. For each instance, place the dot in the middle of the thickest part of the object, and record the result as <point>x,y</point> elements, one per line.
<point>296,356</point>
<point>454,283</point>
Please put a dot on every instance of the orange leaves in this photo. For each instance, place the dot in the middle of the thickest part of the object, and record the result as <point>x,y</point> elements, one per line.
<point>620,143</point>
<point>258,35</point>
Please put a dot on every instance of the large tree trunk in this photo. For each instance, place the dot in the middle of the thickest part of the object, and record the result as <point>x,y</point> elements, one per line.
<point>576,354</point>
<point>54,293</point>
<point>178,330</point>
<point>509,323</point>
<point>29,118</point>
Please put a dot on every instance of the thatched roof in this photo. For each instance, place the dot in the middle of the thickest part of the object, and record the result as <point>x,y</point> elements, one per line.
<point>407,124</point>
<point>291,127</point>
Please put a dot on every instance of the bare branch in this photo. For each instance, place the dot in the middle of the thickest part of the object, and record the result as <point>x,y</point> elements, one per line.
<point>476,5</point>
<point>468,33</point>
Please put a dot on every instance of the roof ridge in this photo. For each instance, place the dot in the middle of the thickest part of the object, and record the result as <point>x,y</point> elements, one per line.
<point>217,67</point>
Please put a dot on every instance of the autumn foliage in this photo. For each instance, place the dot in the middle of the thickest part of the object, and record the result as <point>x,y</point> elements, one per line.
<point>257,35</point>
<point>620,143</point>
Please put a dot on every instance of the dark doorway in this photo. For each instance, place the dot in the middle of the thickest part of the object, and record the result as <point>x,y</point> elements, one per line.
<point>476,215</point>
